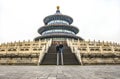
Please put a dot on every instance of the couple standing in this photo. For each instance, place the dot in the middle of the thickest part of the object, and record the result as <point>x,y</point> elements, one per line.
<point>59,50</point>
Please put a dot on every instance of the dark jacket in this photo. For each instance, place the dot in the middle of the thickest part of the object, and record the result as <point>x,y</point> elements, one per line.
<point>60,46</point>
<point>57,48</point>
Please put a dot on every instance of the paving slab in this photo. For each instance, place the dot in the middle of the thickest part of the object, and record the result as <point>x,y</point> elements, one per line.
<point>60,72</point>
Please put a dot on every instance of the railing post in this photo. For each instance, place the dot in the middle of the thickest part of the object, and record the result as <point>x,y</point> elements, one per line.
<point>80,58</point>
<point>39,60</point>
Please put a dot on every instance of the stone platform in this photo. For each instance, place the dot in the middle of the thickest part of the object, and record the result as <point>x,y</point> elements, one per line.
<point>60,72</point>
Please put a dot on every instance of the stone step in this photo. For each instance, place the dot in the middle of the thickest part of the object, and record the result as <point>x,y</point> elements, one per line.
<point>50,57</point>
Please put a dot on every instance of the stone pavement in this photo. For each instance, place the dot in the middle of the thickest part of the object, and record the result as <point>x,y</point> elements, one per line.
<point>60,72</point>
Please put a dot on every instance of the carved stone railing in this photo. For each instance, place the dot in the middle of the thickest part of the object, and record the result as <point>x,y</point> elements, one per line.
<point>95,52</point>
<point>44,50</point>
<point>75,50</point>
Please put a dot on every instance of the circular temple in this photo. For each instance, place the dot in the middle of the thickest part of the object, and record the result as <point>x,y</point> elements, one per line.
<point>58,26</point>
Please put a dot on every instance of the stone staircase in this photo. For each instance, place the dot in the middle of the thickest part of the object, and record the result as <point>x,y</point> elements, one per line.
<point>50,58</point>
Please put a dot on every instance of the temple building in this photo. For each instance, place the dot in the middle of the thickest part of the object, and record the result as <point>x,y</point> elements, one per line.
<point>58,29</point>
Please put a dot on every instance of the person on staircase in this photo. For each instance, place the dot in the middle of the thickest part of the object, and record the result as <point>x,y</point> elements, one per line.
<point>61,52</point>
<point>57,51</point>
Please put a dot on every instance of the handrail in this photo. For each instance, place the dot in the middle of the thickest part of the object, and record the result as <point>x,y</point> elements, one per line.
<point>44,50</point>
<point>41,55</point>
<point>75,50</point>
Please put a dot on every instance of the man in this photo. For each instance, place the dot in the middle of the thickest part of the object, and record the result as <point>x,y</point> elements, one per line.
<point>61,52</point>
<point>61,48</point>
<point>57,51</point>
<point>57,47</point>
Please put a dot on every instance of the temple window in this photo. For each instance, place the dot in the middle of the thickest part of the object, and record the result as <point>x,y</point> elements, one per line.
<point>83,44</point>
<point>117,49</point>
<point>20,45</point>
<point>2,50</point>
<point>58,22</point>
<point>35,49</point>
<point>107,49</point>
<point>27,44</point>
<point>97,49</point>
<point>58,31</point>
<point>83,49</point>
<point>26,49</point>
<point>11,49</point>
<point>97,44</point>
<point>21,49</point>
<point>104,49</point>
<point>91,44</point>
<point>39,49</point>
<point>91,49</point>
<point>35,44</point>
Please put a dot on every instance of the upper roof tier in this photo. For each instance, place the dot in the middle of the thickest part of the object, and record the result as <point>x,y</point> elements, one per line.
<point>58,16</point>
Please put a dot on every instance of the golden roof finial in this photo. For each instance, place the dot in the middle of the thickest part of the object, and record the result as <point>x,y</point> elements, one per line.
<point>58,7</point>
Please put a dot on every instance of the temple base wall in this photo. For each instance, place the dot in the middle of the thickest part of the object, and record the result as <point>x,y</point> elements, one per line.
<point>100,59</point>
<point>18,61</point>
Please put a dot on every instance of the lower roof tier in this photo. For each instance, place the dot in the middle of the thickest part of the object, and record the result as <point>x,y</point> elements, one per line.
<point>51,27</point>
<point>58,36</point>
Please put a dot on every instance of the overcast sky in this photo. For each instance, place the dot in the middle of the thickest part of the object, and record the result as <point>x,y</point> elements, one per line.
<point>96,19</point>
